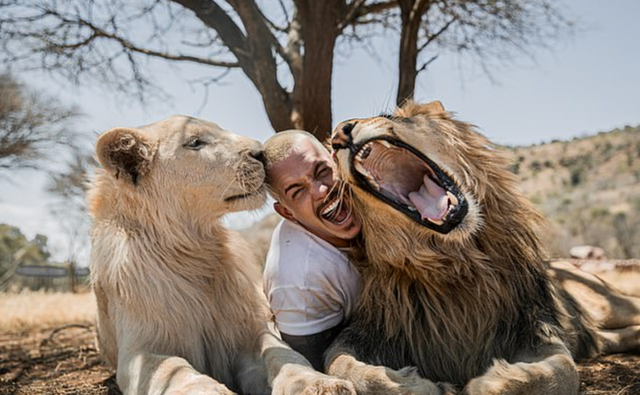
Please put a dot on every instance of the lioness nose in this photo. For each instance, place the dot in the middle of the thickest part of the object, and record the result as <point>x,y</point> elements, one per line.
<point>342,137</point>
<point>258,154</point>
<point>253,148</point>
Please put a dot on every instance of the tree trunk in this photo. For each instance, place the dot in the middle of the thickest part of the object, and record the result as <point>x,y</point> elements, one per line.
<point>312,94</point>
<point>253,50</point>
<point>411,12</point>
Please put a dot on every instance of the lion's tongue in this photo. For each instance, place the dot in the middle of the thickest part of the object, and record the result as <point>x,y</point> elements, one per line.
<point>431,200</point>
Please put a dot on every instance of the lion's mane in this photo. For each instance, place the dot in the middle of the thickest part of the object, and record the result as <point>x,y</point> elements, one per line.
<point>450,305</point>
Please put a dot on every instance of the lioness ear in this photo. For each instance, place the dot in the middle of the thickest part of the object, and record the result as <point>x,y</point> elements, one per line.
<point>125,153</point>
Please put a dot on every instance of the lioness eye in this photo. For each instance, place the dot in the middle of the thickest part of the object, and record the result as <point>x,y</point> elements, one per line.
<point>195,143</point>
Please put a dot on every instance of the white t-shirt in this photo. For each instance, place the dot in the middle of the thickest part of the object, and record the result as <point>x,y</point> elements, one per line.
<point>310,284</point>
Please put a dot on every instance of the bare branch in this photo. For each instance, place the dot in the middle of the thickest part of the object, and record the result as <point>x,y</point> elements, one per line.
<point>30,126</point>
<point>100,33</point>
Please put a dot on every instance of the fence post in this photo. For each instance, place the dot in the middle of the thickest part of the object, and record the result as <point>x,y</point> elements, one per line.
<point>72,276</point>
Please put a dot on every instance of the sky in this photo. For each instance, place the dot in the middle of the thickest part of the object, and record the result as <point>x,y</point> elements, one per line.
<point>582,85</point>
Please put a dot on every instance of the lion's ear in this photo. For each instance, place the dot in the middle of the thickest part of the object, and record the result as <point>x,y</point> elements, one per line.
<point>125,153</point>
<point>434,107</point>
<point>411,108</point>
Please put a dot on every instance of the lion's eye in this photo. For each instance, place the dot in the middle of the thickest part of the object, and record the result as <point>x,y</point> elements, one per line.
<point>195,143</point>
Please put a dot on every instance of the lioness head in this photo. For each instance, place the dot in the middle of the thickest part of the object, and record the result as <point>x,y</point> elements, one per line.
<point>178,166</point>
<point>439,176</point>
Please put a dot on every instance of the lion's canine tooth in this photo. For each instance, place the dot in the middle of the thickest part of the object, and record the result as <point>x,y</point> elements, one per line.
<point>385,143</point>
<point>454,200</point>
<point>360,169</point>
<point>435,221</point>
<point>373,182</point>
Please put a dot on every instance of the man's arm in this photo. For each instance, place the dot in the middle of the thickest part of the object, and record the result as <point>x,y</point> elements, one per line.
<point>313,347</point>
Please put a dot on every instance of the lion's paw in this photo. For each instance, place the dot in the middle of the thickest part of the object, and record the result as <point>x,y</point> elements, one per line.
<point>406,381</point>
<point>304,381</point>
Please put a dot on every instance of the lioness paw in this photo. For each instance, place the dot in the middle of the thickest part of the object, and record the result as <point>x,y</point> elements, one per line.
<point>329,385</point>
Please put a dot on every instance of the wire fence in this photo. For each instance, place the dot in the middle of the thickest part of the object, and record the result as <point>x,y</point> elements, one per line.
<point>63,278</point>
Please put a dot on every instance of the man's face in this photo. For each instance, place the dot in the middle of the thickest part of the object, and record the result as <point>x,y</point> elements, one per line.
<point>303,181</point>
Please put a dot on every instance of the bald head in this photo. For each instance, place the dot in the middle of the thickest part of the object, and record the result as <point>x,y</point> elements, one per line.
<point>281,146</point>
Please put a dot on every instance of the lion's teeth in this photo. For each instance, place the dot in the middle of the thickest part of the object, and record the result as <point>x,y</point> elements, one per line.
<point>435,221</point>
<point>373,182</point>
<point>411,208</point>
<point>452,198</point>
<point>385,143</point>
<point>360,169</point>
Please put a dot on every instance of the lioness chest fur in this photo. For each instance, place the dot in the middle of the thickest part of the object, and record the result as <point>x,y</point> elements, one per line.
<point>169,278</point>
<point>180,309</point>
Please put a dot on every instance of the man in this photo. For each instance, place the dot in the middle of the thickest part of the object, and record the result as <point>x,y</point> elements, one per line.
<point>308,280</point>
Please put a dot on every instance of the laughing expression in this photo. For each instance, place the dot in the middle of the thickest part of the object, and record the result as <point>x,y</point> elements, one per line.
<point>307,182</point>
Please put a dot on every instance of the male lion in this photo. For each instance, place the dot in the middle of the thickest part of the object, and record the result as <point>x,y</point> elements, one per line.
<point>179,310</point>
<point>454,280</point>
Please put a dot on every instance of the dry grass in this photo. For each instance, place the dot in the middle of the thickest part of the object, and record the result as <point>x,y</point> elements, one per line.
<point>32,310</point>
<point>40,355</point>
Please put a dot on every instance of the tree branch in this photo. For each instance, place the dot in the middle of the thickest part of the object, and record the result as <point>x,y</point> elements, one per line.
<point>358,9</point>
<point>98,33</point>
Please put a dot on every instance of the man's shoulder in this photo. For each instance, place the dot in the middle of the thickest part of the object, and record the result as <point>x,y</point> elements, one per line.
<point>291,236</point>
<point>295,251</point>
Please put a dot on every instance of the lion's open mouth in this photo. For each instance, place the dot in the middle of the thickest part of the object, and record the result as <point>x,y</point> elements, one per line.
<point>410,182</point>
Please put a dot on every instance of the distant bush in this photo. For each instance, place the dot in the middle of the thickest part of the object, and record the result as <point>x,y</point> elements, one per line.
<point>576,177</point>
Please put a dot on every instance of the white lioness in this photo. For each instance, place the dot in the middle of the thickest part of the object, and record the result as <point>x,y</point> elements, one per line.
<point>178,307</point>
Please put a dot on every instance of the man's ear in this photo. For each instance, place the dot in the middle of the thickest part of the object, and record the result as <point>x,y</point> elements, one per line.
<point>284,212</point>
<point>125,153</point>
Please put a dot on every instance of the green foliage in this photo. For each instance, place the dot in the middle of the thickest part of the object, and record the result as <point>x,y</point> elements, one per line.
<point>14,244</point>
<point>515,166</point>
<point>536,166</point>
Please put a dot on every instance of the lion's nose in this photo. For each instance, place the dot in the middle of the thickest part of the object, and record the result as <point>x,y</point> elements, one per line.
<point>342,137</point>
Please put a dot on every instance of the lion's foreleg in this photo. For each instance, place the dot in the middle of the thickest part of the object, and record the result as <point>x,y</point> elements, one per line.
<point>150,374</point>
<point>290,373</point>
<point>551,370</point>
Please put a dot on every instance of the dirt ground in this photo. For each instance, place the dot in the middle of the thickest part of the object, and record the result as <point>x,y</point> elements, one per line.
<point>61,358</point>
<point>66,362</point>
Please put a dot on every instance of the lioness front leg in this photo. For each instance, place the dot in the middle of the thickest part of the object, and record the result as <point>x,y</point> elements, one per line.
<point>291,374</point>
<point>550,370</point>
<point>150,374</point>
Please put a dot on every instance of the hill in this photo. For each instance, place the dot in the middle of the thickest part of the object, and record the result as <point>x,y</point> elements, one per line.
<point>588,188</point>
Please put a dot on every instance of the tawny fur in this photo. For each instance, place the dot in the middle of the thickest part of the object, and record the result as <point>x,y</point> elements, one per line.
<point>475,307</point>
